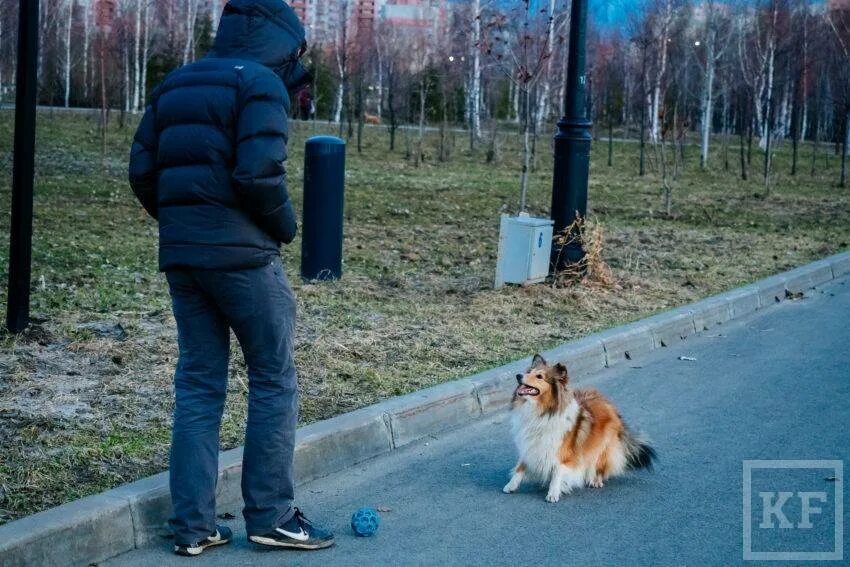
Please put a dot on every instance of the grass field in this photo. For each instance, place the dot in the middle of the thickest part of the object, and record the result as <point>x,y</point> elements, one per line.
<point>81,412</point>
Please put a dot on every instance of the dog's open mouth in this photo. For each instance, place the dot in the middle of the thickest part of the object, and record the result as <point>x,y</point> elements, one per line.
<point>526,390</point>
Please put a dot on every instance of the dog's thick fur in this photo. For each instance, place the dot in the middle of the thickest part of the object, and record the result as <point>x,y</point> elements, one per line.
<point>569,438</point>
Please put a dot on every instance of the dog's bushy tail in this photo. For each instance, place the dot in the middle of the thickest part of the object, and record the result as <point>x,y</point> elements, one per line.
<point>639,454</point>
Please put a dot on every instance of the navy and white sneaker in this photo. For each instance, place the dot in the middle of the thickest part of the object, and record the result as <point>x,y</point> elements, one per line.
<point>297,533</point>
<point>221,536</point>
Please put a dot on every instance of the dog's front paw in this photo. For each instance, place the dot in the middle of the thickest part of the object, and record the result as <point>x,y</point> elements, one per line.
<point>553,497</point>
<point>513,484</point>
<point>596,483</point>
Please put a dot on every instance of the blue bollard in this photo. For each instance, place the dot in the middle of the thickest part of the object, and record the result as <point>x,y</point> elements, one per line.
<point>321,227</point>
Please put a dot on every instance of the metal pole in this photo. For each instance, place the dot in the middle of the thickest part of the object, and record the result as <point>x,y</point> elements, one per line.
<point>324,196</point>
<point>572,146</point>
<point>20,235</point>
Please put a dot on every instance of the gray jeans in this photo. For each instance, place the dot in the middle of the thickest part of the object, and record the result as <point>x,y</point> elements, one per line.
<point>259,306</point>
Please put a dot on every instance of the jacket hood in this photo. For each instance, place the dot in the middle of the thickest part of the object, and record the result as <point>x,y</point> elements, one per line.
<point>265,31</point>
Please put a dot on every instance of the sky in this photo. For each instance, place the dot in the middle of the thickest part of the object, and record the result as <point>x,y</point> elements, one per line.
<point>610,14</point>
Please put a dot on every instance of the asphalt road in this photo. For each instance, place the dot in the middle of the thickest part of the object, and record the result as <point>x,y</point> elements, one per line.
<point>774,386</point>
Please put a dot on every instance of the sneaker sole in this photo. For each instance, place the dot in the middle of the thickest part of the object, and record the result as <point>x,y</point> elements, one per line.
<point>269,542</point>
<point>195,551</point>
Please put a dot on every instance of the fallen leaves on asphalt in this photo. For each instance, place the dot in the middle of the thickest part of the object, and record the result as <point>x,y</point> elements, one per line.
<point>793,295</point>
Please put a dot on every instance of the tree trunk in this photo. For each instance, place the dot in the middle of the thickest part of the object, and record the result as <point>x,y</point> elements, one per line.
<point>743,154</point>
<point>1,63</point>
<point>655,129</point>
<point>137,74</point>
<point>771,58</point>
<point>189,46</point>
<point>673,140</point>
<point>359,110</point>
<point>707,100</point>
<point>215,14</point>
<point>423,90</point>
<point>726,128</point>
<point>380,69</point>
<point>342,64</point>
<point>493,147</point>
<point>750,141</point>
<point>768,134</point>
<point>526,150</point>
<point>444,123</point>
<point>86,51</point>
<point>795,128</point>
<point>804,71</point>
<point>391,103</point>
<point>42,35</point>
<point>476,69</point>
<point>67,61</point>
<point>543,98</point>
<point>644,104</point>
<point>815,128</point>
<point>103,114</point>
<point>143,80</point>
<point>610,129</point>
<point>665,182</point>
<point>337,112</point>
<point>845,148</point>
<point>814,154</point>
<point>125,83</point>
<point>784,123</point>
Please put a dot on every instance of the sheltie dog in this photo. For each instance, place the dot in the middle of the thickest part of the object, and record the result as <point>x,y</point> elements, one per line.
<point>568,438</point>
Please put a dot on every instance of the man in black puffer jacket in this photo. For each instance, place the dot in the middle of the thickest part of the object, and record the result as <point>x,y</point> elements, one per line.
<point>207,163</point>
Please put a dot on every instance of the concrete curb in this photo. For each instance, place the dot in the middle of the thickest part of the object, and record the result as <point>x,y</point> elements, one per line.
<point>95,528</point>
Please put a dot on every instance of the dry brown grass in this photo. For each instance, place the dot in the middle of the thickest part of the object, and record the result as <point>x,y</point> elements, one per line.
<point>80,413</point>
<point>592,270</point>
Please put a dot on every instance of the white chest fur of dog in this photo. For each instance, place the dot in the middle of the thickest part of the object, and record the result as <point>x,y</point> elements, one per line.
<point>538,438</point>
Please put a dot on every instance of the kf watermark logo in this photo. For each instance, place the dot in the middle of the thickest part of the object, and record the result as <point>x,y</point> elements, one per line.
<point>793,510</point>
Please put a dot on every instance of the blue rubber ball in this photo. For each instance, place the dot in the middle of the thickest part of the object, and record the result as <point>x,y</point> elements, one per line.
<point>365,522</point>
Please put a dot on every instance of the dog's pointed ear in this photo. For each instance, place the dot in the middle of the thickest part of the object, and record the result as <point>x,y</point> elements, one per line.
<point>562,374</point>
<point>538,361</point>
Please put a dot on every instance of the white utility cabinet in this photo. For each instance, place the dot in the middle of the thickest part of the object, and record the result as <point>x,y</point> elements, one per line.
<point>525,244</point>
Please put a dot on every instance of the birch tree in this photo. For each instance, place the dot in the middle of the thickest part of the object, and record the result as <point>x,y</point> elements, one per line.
<point>1,61</point>
<point>475,90</point>
<point>137,40</point>
<point>69,17</point>
<point>661,67</point>
<point>191,18</point>
<point>757,58</point>
<point>770,55</point>
<point>146,39</point>
<point>546,79</point>
<point>215,14</point>
<point>341,53</point>
<point>839,23</point>
<point>715,45</point>
<point>88,13</point>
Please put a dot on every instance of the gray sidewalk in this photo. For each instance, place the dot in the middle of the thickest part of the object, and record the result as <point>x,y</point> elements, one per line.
<point>775,385</point>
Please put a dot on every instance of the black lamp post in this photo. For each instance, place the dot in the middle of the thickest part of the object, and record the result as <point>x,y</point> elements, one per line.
<point>572,147</point>
<point>20,235</point>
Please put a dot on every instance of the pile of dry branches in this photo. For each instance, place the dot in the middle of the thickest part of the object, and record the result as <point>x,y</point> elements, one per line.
<point>591,270</point>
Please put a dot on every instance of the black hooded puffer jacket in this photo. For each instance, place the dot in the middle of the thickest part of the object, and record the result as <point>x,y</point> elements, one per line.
<point>208,157</point>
